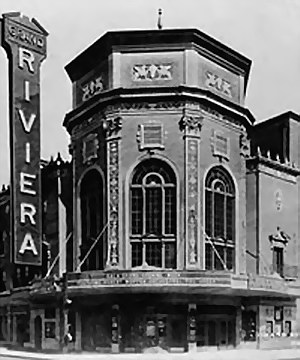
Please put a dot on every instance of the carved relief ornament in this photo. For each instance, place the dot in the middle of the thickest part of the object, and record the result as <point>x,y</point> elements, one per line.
<point>191,123</point>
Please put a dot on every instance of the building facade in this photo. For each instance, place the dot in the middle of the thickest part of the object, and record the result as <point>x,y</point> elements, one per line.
<point>181,215</point>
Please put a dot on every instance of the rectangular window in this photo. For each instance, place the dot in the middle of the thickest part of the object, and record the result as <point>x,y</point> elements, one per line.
<point>50,329</point>
<point>136,254</point>
<point>221,145</point>
<point>151,136</point>
<point>278,260</point>
<point>153,254</point>
<point>269,328</point>
<point>137,211</point>
<point>208,257</point>
<point>208,215</point>
<point>278,313</point>
<point>229,218</point>
<point>229,258</point>
<point>154,211</point>
<point>219,216</point>
<point>219,257</point>
<point>170,211</point>
<point>170,255</point>
<point>288,328</point>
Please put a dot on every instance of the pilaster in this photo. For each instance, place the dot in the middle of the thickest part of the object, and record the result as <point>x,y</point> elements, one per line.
<point>113,138</point>
<point>190,124</point>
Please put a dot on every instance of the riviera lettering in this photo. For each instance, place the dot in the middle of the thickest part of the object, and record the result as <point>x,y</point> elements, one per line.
<point>27,181</point>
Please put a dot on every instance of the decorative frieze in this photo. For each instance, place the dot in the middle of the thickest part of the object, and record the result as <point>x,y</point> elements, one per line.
<point>150,72</point>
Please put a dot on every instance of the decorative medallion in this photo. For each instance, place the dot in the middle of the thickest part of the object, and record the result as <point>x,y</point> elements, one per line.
<point>244,145</point>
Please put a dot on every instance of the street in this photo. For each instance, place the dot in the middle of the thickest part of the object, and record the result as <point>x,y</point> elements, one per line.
<point>286,354</point>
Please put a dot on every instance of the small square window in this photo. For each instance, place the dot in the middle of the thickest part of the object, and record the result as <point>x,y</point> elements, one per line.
<point>150,136</point>
<point>220,145</point>
<point>89,148</point>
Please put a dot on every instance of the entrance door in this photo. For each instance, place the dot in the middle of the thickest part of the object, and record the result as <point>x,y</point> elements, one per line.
<point>38,332</point>
<point>156,330</point>
<point>218,332</point>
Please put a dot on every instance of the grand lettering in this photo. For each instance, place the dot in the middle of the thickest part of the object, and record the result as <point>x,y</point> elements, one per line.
<point>23,36</point>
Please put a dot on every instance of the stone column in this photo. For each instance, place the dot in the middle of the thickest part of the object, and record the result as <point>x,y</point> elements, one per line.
<point>191,331</point>
<point>115,329</point>
<point>14,328</point>
<point>190,124</point>
<point>78,331</point>
<point>238,325</point>
<point>113,128</point>
<point>9,334</point>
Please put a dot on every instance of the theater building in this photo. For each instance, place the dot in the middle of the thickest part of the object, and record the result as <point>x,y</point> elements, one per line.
<point>185,212</point>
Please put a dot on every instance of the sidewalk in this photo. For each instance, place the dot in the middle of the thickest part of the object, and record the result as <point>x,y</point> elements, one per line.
<point>209,355</point>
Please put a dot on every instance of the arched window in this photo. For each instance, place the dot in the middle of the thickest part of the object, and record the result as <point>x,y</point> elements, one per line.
<point>153,215</point>
<point>92,220</point>
<point>219,220</point>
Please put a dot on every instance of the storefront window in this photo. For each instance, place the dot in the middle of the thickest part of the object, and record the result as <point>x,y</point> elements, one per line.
<point>249,325</point>
<point>288,328</point>
<point>50,329</point>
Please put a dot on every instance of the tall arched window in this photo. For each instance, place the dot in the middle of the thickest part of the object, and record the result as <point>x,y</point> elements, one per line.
<point>219,220</point>
<point>153,215</point>
<point>92,220</point>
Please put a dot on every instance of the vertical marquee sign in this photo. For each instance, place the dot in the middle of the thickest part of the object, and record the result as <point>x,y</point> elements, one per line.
<point>24,41</point>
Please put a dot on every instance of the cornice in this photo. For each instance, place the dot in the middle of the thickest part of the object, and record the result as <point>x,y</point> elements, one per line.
<point>273,164</point>
<point>151,96</point>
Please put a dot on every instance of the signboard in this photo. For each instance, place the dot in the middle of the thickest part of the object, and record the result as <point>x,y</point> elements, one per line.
<point>144,278</point>
<point>24,41</point>
<point>265,283</point>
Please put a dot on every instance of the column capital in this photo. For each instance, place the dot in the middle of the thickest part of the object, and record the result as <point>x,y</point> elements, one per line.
<point>112,125</point>
<point>191,123</point>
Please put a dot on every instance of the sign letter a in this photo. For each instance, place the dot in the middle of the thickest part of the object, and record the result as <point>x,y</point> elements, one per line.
<point>27,124</point>
<point>28,245</point>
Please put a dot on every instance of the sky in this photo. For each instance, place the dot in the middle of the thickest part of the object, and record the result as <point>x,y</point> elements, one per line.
<point>265,31</point>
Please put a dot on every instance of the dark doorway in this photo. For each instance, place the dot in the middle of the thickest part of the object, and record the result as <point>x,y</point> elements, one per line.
<point>38,332</point>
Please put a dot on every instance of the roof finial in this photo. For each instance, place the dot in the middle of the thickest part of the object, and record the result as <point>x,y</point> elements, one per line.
<point>159,23</point>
